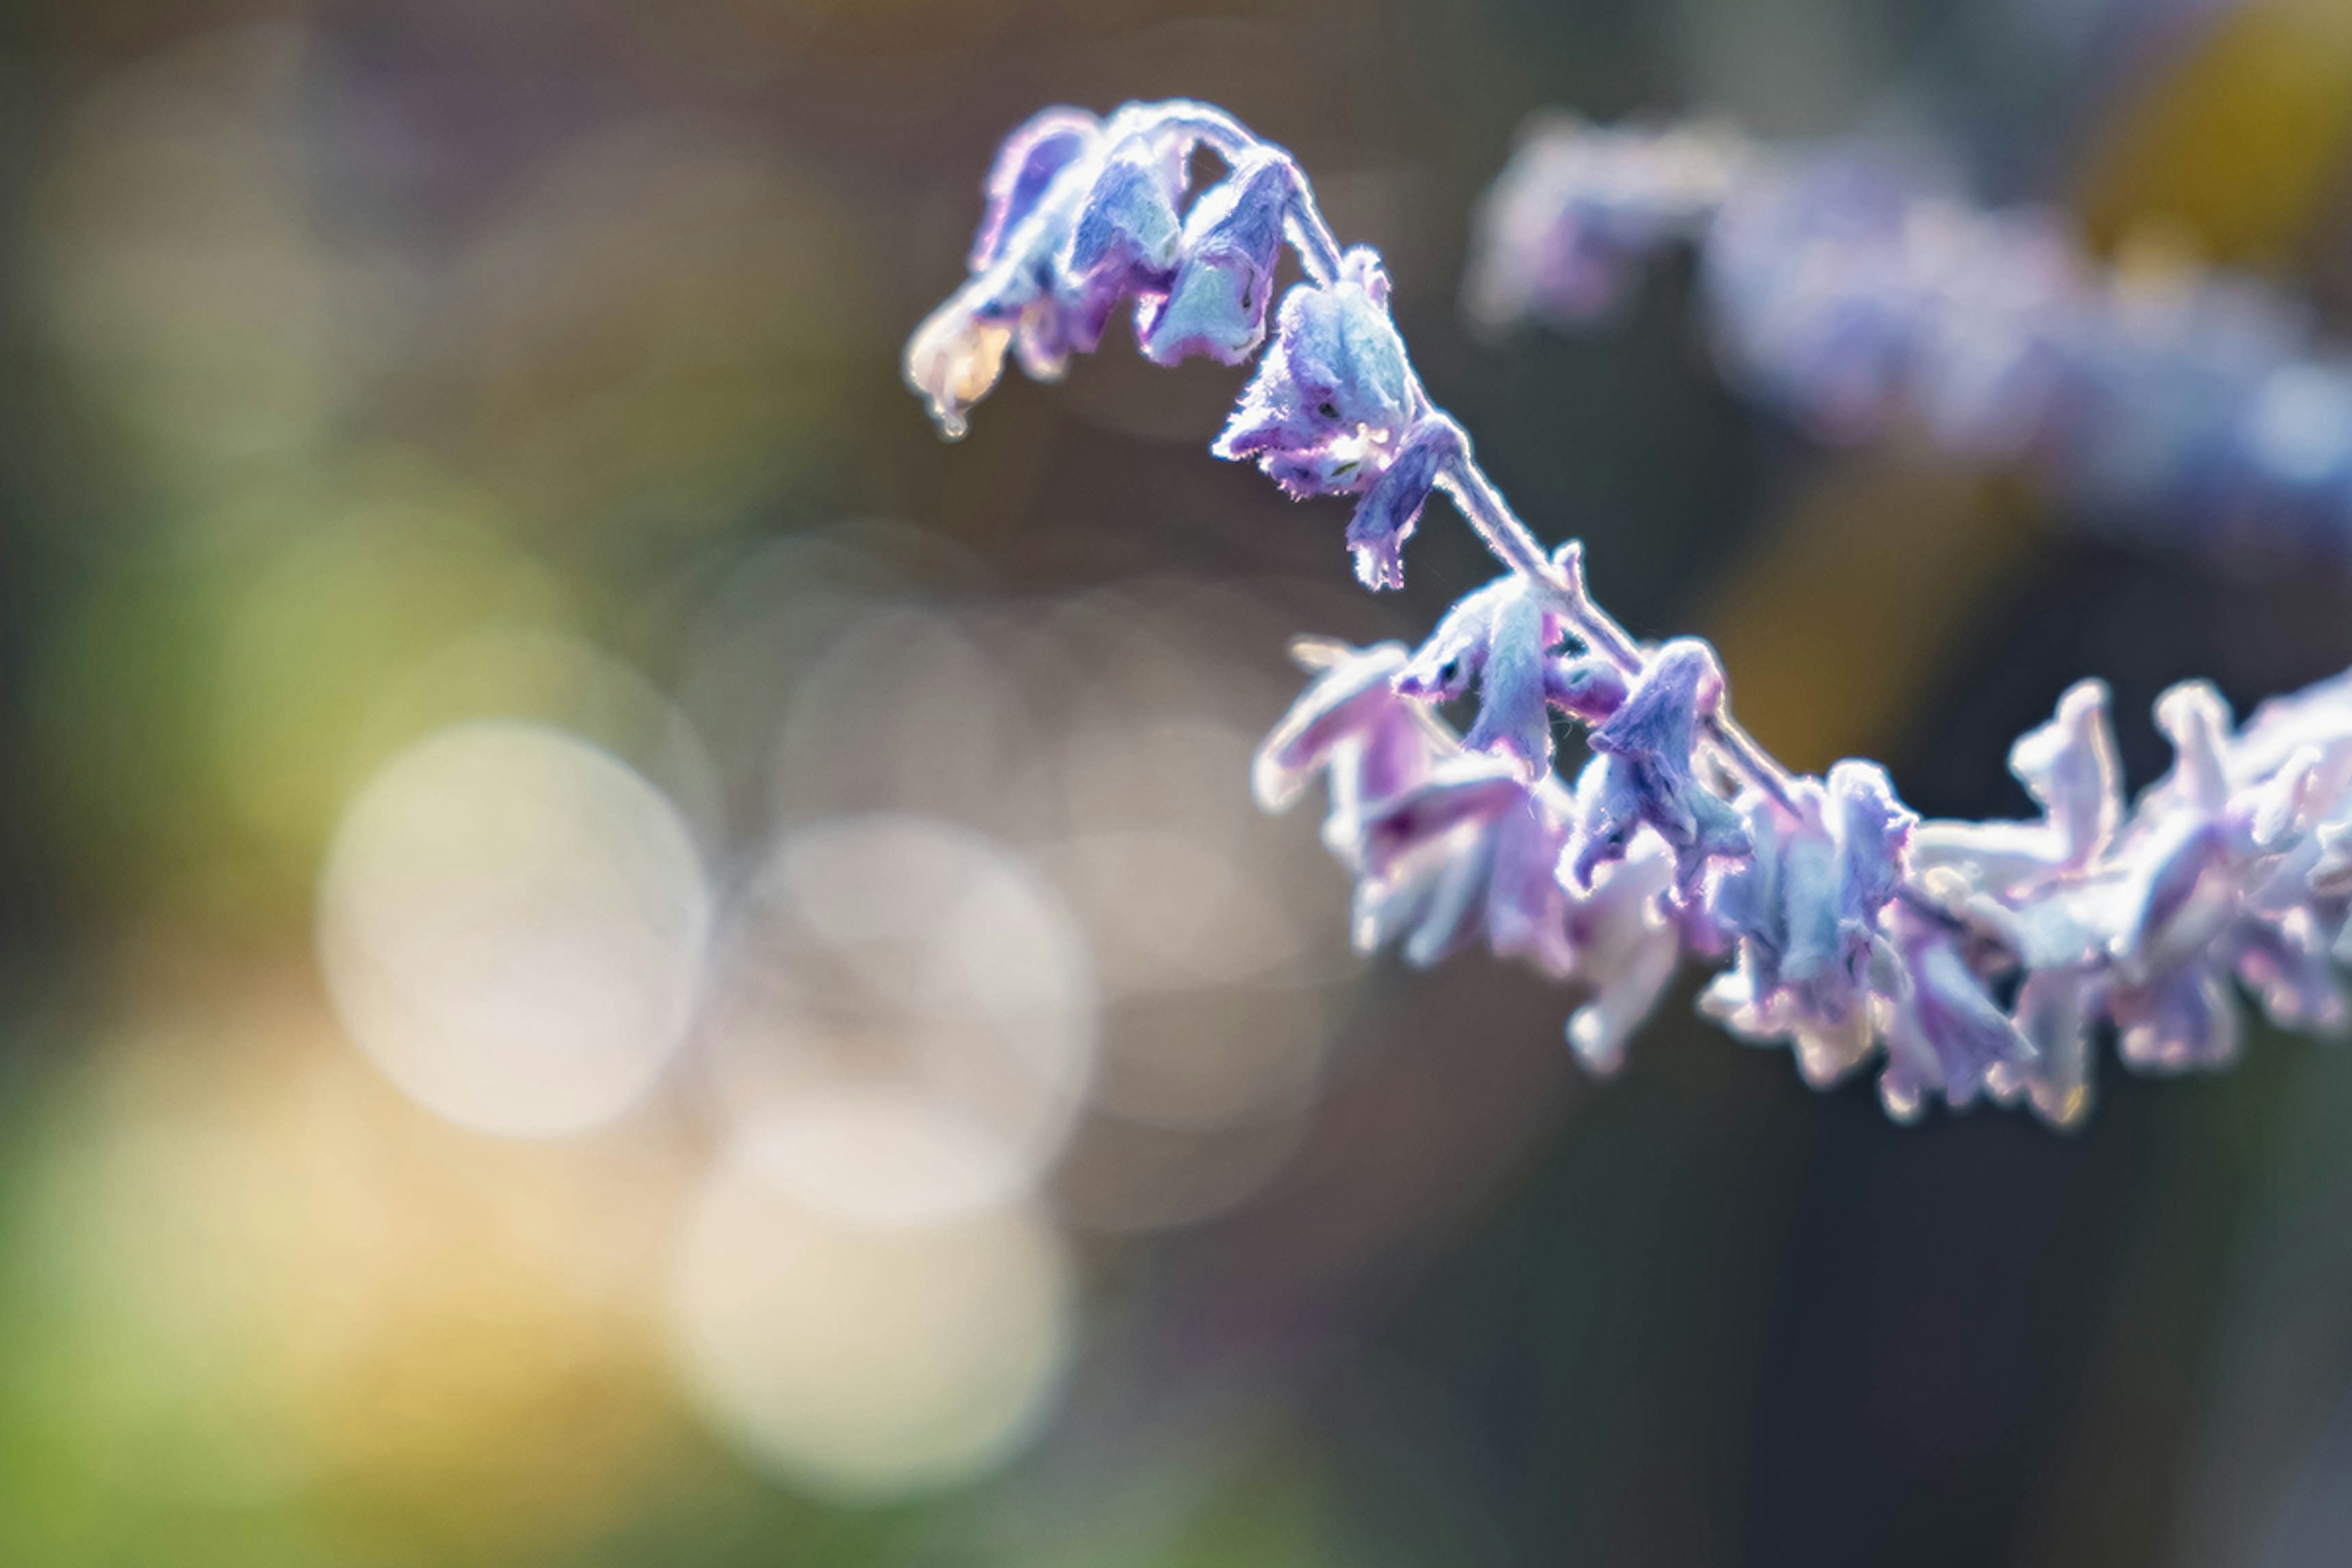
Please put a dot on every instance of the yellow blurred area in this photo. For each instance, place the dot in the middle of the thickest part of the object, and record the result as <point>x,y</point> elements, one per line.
<point>2238,142</point>
<point>246,1273</point>
<point>1842,615</point>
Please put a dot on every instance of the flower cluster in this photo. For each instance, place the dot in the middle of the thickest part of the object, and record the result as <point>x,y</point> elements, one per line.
<point>1857,294</point>
<point>1970,960</point>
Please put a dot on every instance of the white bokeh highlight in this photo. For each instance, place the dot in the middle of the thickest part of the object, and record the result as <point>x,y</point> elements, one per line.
<point>513,925</point>
<point>895,983</point>
<point>866,1361</point>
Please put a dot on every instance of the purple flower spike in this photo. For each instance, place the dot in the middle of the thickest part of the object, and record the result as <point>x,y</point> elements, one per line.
<point>1873,829</point>
<point>1232,237</point>
<point>1333,396</point>
<point>1050,140</point>
<point>1642,772</point>
<point>1385,517</point>
<point>1851,927</point>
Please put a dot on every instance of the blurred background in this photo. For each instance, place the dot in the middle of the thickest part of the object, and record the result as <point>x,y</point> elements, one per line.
<point>613,956</point>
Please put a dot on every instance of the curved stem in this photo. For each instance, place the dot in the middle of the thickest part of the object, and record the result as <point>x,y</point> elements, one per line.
<point>1475,495</point>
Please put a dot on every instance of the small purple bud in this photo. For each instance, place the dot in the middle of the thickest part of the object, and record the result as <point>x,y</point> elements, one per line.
<point>1642,771</point>
<point>1513,717</point>
<point>1385,517</point>
<point>1946,1034</point>
<point>1346,362</point>
<point>1502,636</point>
<point>1231,238</point>
<point>1331,398</point>
<point>1442,668</point>
<point>1127,232</point>
<point>1586,687</point>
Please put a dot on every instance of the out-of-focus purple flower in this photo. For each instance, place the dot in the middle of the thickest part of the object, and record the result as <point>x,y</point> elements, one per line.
<point>1427,859</point>
<point>1859,292</point>
<point>1350,723</point>
<point>1470,851</point>
<point>1568,225</point>
<point>1333,397</point>
<point>1643,773</point>
<point>2068,765</point>
<point>1385,517</point>
<point>1231,238</point>
<point>1805,909</point>
<point>1627,949</point>
<point>1502,637</point>
<point>1945,1033</point>
<point>2194,913</point>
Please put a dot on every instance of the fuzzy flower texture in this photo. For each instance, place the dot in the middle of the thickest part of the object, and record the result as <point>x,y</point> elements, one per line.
<point>1964,959</point>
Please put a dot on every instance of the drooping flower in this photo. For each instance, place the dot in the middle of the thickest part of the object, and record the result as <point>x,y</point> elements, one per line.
<point>1079,215</point>
<point>1125,238</point>
<point>1352,724</point>
<point>1333,397</point>
<point>1502,637</point>
<point>1047,142</point>
<point>1945,1033</point>
<point>1385,517</point>
<point>1643,773</point>
<point>1426,865</point>
<point>1626,949</point>
<point>1217,304</point>
<point>1806,910</point>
